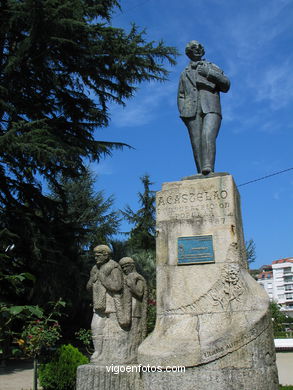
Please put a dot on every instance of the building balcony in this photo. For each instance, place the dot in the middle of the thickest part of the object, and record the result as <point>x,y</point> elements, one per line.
<point>290,272</point>
<point>288,289</point>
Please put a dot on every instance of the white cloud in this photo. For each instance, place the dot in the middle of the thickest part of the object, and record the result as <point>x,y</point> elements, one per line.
<point>251,32</point>
<point>276,85</point>
<point>145,105</point>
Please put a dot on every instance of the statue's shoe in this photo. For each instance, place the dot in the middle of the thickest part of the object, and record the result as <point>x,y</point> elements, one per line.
<point>205,171</point>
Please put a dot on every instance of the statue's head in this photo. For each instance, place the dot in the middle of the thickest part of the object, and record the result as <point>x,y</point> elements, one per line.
<point>102,254</point>
<point>194,50</point>
<point>127,264</point>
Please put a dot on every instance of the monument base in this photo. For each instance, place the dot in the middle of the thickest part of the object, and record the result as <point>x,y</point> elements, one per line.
<point>212,316</point>
<point>111,377</point>
<point>249,368</point>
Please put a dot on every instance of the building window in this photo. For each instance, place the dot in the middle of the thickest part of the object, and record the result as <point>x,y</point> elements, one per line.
<point>288,287</point>
<point>288,279</point>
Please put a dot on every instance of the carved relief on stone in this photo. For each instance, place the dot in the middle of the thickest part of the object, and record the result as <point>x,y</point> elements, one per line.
<point>232,288</point>
<point>226,289</point>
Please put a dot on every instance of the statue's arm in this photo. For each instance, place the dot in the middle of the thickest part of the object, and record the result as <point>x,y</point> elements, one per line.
<point>136,285</point>
<point>217,76</point>
<point>180,94</point>
<point>93,277</point>
<point>112,279</point>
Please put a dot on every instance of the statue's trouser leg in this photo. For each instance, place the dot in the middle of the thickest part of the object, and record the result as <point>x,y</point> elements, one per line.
<point>194,126</point>
<point>97,326</point>
<point>210,130</point>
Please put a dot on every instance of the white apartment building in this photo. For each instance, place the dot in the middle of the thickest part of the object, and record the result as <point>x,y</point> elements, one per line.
<point>283,283</point>
<point>277,280</point>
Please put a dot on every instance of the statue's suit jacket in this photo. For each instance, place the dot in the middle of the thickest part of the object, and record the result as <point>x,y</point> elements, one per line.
<point>196,92</point>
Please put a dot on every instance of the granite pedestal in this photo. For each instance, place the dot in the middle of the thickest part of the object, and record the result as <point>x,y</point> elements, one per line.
<point>212,316</point>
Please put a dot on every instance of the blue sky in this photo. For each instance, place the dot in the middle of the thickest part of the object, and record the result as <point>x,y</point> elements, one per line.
<point>252,41</point>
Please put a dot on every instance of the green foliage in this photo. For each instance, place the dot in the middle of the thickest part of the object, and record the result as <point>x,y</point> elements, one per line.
<point>11,314</point>
<point>85,337</point>
<point>283,335</point>
<point>145,261</point>
<point>142,242</point>
<point>84,218</point>
<point>142,235</point>
<point>286,388</point>
<point>120,249</point>
<point>60,373</point>
<point>151,315</point>
<point>62,64</point>
<point>250,251</point>
<point>279,318</point>
<point>88,209</point>
<point>38,335</point>
<point>42,333</point>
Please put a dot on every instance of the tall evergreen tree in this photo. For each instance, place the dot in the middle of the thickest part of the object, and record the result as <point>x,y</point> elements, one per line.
<point>142,235</point>
<point>61,65</point>
<point>250,251</point>
<point>88,209</point>
<point>141,243</point>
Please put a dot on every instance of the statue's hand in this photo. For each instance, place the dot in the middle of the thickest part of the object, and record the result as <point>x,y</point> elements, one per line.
<point>203,71</point>
<point>130,280</point>
<point>94,274</point>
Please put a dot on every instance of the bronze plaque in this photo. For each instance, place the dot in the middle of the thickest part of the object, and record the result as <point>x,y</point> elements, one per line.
<point>195,250</point>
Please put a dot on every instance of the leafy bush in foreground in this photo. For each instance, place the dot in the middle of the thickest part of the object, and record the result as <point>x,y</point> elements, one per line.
<point>60,373</point>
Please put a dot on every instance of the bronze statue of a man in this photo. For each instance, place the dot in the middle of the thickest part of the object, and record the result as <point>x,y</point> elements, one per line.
<point>199,105</point>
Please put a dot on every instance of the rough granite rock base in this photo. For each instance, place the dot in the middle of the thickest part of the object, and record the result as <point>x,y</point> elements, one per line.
<point>212,316</point>
<point>93,377</point>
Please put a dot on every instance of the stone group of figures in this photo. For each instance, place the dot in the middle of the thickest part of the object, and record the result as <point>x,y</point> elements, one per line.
<point>119,308</point>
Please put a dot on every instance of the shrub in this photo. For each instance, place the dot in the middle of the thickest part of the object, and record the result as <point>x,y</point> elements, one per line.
<point>60,373</point>
<point>151,315</point>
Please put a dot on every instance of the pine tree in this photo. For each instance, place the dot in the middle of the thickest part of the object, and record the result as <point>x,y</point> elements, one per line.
<point>61,65</point>
<point>88,209</point>
<point>250,251</point>
<point>142,235</point>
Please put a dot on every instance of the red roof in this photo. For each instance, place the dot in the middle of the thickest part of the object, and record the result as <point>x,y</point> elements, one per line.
<point>287,260</point>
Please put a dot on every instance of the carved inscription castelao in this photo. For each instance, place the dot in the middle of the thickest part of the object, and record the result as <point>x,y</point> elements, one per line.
<point>191,197</point>
<point>195,204</point>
